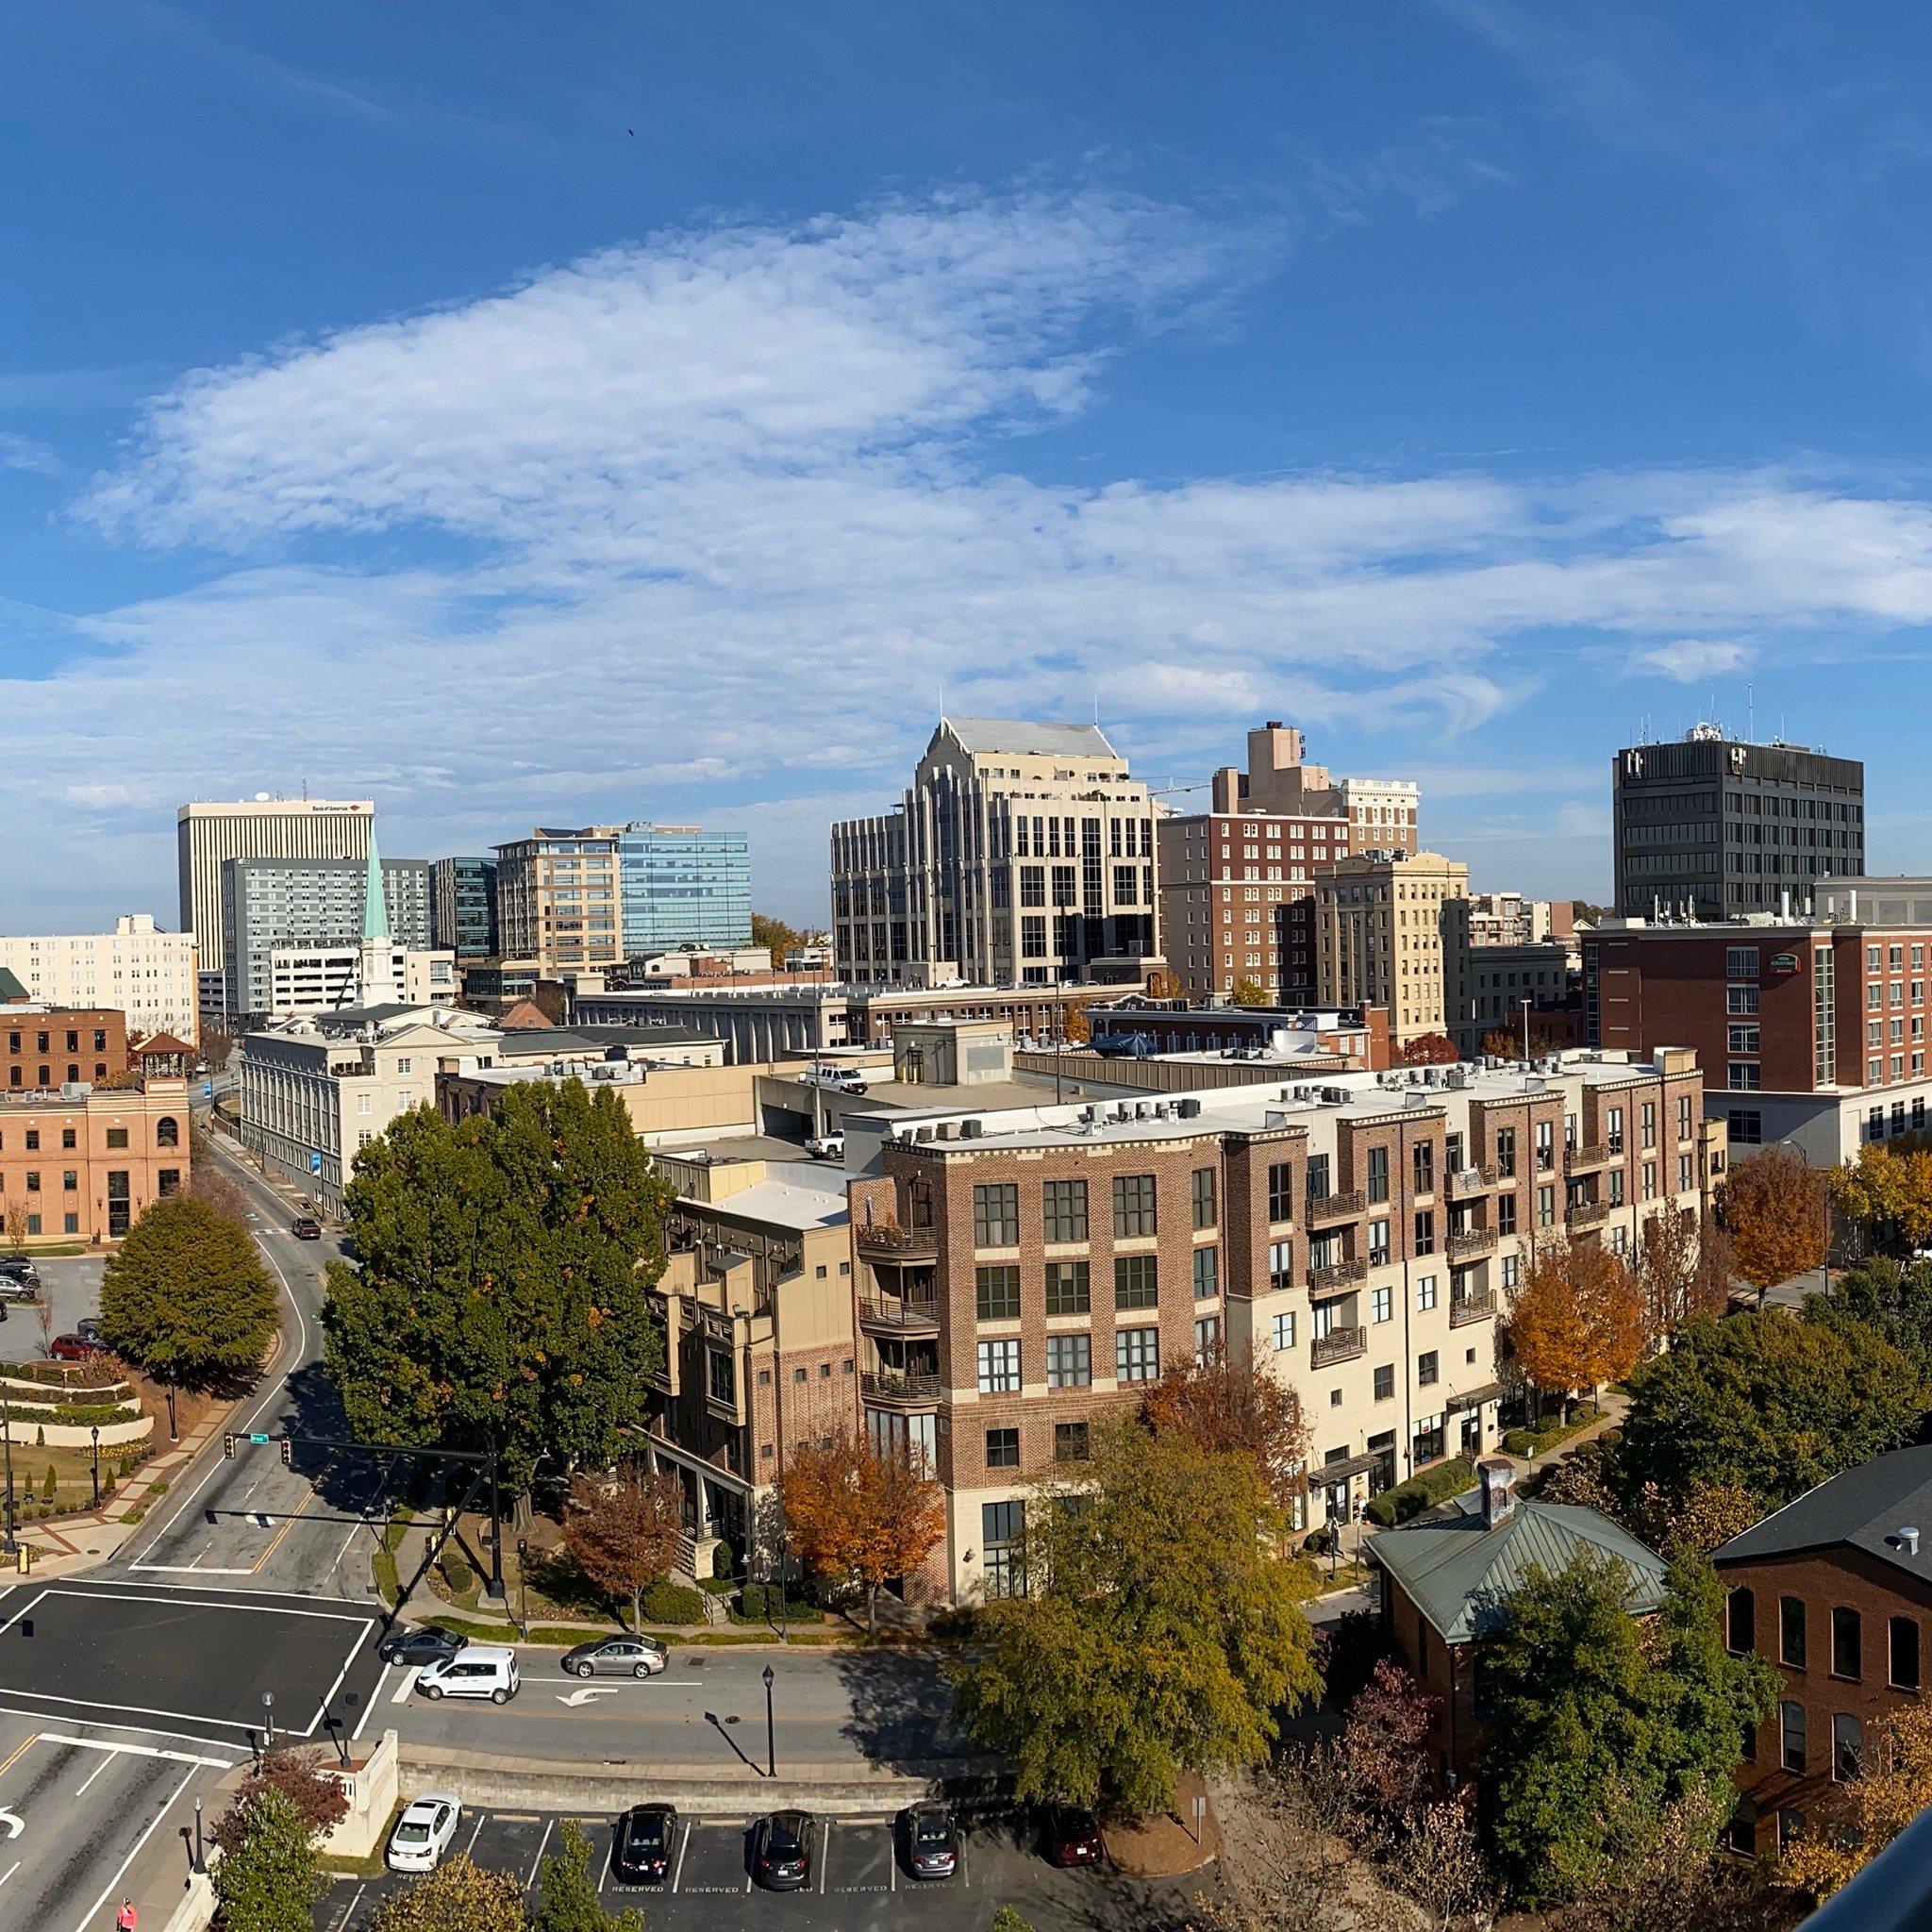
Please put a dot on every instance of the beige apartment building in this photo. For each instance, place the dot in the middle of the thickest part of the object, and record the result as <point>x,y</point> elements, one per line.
<point>136,969</point>
<point>84,1165</point>
<point>1392,929</point>
<point>1022,853</point>
<point>560,901</point>
<point>1236,901</point>
<point>1022,1271</point>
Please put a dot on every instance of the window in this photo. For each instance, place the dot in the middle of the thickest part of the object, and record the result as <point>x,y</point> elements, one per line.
<point>1741,1001</point>
<point>1064,1208</point>
<point>1133,1206</point>
<point>1506,1213</point>
<point>721,1382</point>
<point>1425,1293</point>
<point>999,1367</point>
<point>1378,1243</point>
<point>1067,1288</point>
<point>1283,1331</point>
<point>1207,1335</point>
<point>1790,1821</point>
<point>1206,1212</point>
<point>1546,1206</point>
<point>167,1132</point>
<point>1070,1442</point>
<point>1385,1383</point>
<point>1903,1669</point>
<point>1505,1151</point>
<point>1003,1448</point>
<point>1790,1631</point>
<point>1280,1192</point>
<point>1741,1621</point>
<point>1136,1281</point>
<point>1425,1164</point>
<point>1280,1264</point>
<point>1381,1304</point>
<point>1206,1274</point>
<point>1847,1643</point>
<point>1379,1174</point>
<point>1425,1232</point>
<point>1790,1716</point>
<point>1847,1746</point>
<point>997,1215</point>
<point>1069,1361</point>
<point>1137,1355</point>
<point>996,1293</point>
<point>1741,962</point>
<point>1427,1369</point>
<point>1000,1528</point>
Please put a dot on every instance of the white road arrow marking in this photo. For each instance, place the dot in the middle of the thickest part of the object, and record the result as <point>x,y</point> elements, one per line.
<point>573,1698</point>
<point>14,1822</point>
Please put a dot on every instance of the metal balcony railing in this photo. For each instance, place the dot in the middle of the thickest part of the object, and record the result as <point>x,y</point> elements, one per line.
<point>1335,1274</point>
<point>1471,1242</point>
<point>907,1391</point>
<point>1336,1207</point>
<point>1464,1308</point>
<point>1338,1345</point>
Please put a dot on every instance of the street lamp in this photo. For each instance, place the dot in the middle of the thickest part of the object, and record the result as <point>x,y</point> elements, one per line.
<point>6,1438</point>
<point>174,1434</point>
<point>268,1721</point>
<point>95,1430</point>
<point>200,1864</point>
<point>523,1585</point>
<point>771,1730</point>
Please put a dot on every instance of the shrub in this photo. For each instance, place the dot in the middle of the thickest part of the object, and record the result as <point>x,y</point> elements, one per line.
<point>724,1564</point>
<point>458,1574</point>
<point>1423,1491</point>
<point>767,1603</point>
<point>51,1486</point>
<point>665,1602</point>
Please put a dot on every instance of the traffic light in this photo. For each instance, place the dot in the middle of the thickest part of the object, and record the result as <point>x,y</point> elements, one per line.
<point>287,1452</point>
<point>228,1445</point>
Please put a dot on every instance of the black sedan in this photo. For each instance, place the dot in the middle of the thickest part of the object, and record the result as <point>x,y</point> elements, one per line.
<point>932,1844</point>
<point>642,1853</point>
<point>426,1645</point>
<point>781,1851</point>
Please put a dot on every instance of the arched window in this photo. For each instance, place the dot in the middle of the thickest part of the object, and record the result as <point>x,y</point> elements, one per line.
<point>167,1131</point>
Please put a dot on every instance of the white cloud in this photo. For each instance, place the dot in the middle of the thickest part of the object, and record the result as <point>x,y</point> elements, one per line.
<point>1690,660</point>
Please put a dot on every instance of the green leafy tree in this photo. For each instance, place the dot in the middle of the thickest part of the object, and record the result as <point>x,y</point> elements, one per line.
<point>568,1892</point>
<point>1886,1300</point>
<point>1763,1401</point>
<point>186,1295</point>
<point>1159,1634</point>
<point>1590,1701</point>
<point>269,1880</point>
<point>458,1896</point>
<point>1248,992</point>
<point>502,1295</point>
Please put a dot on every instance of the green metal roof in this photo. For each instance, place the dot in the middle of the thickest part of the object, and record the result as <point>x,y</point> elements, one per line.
<point>11,988</point>
<point>1460,1574</point>
<point>374,901</point>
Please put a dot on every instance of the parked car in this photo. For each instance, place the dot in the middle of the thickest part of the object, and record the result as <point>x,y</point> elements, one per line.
<point>13,1288</point>
<point>827,1146</point>
<point>71,1348</point>
<point>781,1851</point>
<point>1072,1837</point>
<point>616,1657</point>
<point>19,1276</point>
<point>932,1841</point>
<point>642,1855</point>
<point>88,1328</point>
<point>478,1669</point>
<point>423,1832</point>
<point>305,1228</point>
<point>426,1645</point>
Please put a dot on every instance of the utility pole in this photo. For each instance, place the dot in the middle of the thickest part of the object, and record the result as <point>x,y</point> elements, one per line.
<point>7,1437</point>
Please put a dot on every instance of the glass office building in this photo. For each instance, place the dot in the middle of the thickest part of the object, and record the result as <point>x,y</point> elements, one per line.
<point>683,887</point>
<point>465,893</point>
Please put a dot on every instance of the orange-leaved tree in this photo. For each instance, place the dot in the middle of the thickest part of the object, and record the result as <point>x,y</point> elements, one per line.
<point>1429,1049</point>
<point>1888,1186</point>
<point>1773,1207</point>
<point>1874,1801</point>
<point>1227,1404</point>
<point>1577,1320</point>
<point>853,1511</point>
<point>623,1532</point>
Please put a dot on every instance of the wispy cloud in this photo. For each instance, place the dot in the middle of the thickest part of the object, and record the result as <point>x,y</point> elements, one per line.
<point>22,453</point>
<point>1690,660</point>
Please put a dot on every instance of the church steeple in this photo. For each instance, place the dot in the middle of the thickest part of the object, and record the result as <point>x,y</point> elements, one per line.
<point>374,901</point>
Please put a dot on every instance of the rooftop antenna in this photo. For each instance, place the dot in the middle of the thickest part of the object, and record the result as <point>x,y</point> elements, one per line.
<point>1750,713</point>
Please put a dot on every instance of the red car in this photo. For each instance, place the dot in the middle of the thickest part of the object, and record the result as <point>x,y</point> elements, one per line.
<point>71,1348</point>
<point>1072,1837</point>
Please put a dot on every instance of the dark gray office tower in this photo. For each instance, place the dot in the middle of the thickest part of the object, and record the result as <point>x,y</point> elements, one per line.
<point>1719,827</point>
<point>465,911</point>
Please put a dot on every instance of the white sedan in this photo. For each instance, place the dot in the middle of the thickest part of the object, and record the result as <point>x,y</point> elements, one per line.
<point>423,1832</point>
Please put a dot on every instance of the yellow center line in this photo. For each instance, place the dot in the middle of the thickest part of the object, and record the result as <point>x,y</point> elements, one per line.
<point>31,1742</point>
<point>295,1517</point>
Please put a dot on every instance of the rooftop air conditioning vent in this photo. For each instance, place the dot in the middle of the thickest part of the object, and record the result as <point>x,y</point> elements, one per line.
<point>972,1131</point>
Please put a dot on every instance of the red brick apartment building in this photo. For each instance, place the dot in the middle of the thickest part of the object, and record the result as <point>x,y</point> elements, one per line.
<point>42,1048</point>
<point>85,1166</point>
<point>1835,1590</point>
<point>1808,1031</point>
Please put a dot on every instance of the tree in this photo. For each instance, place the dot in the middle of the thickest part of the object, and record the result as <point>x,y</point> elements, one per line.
<point>1773,1207</point>
<point>1866,1812</point>
<point>214,1047</point>
<point>319,1797</point>
<point>1577,1318</point>
<point>1079,1028</point>
<point>1248,992</point>
<point>1770,1403</point>
<point>1163,985</point>
<point>1590,1699</point>
<point>1382,1755</point>
<point>1545,1036</point>
<point>458,1896</point>
<point>186,1295</point>
<point>624,1534</point>
<point>1884,1299</point>
<point>16,1223</point>
<point>1887,1189</point>
<point>570,1901</point>
<point>503,1295</point>
<point>777,936</point>
<point>1429,1049</point>
<point>1230,1405</point>
<point>853,1511</point>
<point>1683,1270</point>
<point>1441,1867</point>
<point>1159,1634</point>
<point>269,1879</point>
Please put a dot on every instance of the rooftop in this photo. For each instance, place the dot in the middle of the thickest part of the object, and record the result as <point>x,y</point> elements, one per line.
<point>1863,1508</point>
<point>1024,738</point>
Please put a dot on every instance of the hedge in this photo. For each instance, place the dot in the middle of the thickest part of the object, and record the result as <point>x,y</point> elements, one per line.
<point>1424,1492</point>
<point>766,1603</point>
<point>1537,1441</point>
<point>666,1602</point>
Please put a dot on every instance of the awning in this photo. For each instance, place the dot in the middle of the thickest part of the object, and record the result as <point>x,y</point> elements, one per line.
<point>1320,1478</point>
<point>1489,1391</point>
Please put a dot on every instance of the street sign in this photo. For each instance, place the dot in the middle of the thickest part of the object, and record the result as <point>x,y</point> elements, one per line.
<point>253,1438</point>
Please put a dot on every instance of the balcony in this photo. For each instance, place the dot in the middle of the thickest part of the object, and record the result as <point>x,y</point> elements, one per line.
<point>886,1242</point>
<point>1464,1308</point>
<point>896,1315</point>
<point>1338,1345</point>
<point>1590,1154</point>
<point>1587,1214</point>
<point>1465,1183</point>
<point>891,1390</point>
<point>1472,1243</point>
<point>1336,1207</point>
<point>1335,1276</point>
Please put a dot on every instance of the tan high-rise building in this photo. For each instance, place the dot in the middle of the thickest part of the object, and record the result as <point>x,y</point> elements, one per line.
<point>1392,929</point>
<point>1021,854</point>
<point>136,969</point>
<point>559,899</point>
<point>1235,898</point>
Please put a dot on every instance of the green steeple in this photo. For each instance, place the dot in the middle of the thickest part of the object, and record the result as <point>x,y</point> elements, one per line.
<point>375,905</point>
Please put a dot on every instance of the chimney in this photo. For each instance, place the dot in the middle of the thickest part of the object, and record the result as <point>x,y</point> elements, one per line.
<point>1909,1539</point>
<point>1498,1478</point>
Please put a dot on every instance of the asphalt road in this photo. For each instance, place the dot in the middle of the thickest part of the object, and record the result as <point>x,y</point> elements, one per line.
<point>859,1881</point>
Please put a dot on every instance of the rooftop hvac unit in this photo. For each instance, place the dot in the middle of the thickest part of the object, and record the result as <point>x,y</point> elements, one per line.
<point>1188,1109</point>
<point>1415,1100</point>
<point>972,1131</point>
<point>1334,1096</point>
<point>1088,1115</point>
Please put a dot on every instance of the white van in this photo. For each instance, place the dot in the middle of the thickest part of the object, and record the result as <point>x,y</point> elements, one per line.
<point>478,1669</point>
<point>840,1079</point>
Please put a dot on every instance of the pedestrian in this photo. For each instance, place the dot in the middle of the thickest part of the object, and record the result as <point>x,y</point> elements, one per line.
<point>124,1919</point>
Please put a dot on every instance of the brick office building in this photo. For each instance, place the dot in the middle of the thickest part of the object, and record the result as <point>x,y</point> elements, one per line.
<point>1809,1031</point>
<point>86,1165</point>
<point>42,1048</point>
<point>1835,1589</point>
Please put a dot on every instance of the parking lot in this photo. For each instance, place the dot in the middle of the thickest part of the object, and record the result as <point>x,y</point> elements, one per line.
<point>71,1287</point>
<point>858,1879</point>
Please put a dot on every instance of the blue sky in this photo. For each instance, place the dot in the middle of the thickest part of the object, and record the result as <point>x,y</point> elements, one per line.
<point>566,413</point>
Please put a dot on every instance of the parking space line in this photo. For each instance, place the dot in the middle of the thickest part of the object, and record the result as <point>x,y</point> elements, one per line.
<point>683,1846</point>
<point>355,1650</point>
<point>24,1609</point>
<point>10,1871</point>
<point>117,1750</point>
<point>824,1856</point>
<point>402,1690</point>
<point>482,1819</point>
<point>549,1824</point>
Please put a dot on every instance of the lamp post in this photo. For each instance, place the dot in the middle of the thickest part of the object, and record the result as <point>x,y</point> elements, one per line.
<point>1524,1004</point>
<point>200,1864</point>
<point>523,1586</point>
<point>6,1438</point>
<point>268,1721</point>
<point>95,1430</point>
<point>174,1434</point>
<point>771,1729</point>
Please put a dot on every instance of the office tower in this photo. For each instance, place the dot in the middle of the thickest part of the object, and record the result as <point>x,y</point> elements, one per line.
<point>683,887</point>
<point>558,902</point>
<point>465,914</point>
<point>1392,929</point>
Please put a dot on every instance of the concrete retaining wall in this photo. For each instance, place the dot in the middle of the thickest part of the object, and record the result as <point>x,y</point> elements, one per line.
<point>65,1436</point>
<point>371,1786</point>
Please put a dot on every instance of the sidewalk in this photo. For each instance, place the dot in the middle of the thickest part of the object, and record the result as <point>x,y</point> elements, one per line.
<point>159,1878</point>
